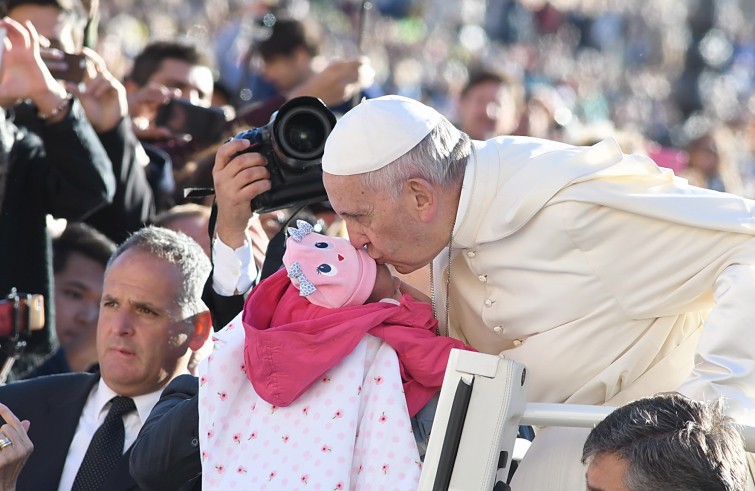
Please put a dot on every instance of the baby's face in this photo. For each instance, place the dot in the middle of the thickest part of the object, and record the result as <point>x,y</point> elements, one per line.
<point>386,285</point>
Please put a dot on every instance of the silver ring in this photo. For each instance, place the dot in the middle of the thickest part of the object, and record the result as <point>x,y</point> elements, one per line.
<point>5,442</point>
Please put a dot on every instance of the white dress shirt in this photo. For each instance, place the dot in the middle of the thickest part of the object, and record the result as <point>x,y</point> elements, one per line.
<point>92,416</point>
<point>233,269</point>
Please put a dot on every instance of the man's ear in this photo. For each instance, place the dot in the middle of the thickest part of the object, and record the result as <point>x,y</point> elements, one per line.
<point>424,201</point>
<point>202,329</point>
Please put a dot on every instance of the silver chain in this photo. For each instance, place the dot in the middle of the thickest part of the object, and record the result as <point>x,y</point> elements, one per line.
<point>448,286</point>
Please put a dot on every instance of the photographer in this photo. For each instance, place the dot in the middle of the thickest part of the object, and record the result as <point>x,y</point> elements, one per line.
<point>63,171</point>
<point>165,70</point>
<point>103,98</point>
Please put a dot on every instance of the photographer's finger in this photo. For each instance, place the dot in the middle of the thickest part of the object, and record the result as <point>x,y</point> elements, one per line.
<point>252,174</point>
<point>227,151</point>
<point>254,189</point>
<point>250,160</point>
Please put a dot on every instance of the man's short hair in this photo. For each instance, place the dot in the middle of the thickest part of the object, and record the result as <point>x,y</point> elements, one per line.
<point>440,158</point>
<point>148,62</point>
<point>285,37</point>
<point>179,250</point>
<point>83,239</point>
<point>672,443</point>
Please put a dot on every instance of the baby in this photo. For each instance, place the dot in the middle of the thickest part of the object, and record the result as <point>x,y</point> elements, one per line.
<point>336,362</point>
<point>331,273</point>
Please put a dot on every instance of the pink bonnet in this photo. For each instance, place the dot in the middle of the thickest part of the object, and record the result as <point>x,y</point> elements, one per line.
<point>329,271</point>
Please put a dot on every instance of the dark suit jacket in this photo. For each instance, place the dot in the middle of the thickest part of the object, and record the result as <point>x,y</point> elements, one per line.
<point>53,406</point>
<point>63,171</point>
<point>165,455</point>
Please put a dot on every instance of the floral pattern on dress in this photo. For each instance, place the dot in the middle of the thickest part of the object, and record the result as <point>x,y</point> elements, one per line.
<point>345,432</point>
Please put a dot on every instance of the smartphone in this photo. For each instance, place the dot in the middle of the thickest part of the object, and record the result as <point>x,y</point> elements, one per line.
<point>206,125</point>
<point>71,68</point>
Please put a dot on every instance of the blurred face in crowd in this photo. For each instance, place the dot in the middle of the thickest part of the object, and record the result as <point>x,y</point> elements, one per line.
<point>402,232</point>
<point>287,71</point>
<point>78,288</point>
<point>488,109</point>
<point>606,473</point>
<point>51,23</point>
<point>142,337</point>
<point>195,226</point>
<point>194,82</point>
<point>703,155</point>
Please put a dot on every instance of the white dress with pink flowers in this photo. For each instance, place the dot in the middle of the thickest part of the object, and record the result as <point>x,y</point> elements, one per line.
<point>350,430</point>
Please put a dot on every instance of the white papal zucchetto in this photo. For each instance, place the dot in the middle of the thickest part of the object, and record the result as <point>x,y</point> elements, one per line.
<point>375,133</point>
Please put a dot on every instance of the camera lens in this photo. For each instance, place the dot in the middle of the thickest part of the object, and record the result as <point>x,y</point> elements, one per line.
<point>305,133</point>
<point>302,133</point>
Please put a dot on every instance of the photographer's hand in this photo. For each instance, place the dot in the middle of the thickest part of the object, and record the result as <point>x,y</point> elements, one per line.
<point>238,179</point>
<point>103,97</point>
<point>24,74</point>
<point>143,104</point>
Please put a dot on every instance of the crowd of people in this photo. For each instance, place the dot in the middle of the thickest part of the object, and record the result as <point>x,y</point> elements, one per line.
<point>562,183</point>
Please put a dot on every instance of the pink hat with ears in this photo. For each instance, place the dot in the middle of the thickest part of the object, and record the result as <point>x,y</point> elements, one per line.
<point>329,271</point>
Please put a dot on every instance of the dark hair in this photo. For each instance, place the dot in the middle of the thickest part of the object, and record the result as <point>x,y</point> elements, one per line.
<point>479,77</point>
<point>285,37</point>
<point>148,62</point>
<point>83,239</point>
<point>672,443</point>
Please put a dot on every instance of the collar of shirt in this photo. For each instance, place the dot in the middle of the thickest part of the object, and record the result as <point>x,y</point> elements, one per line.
<point>144,403</point>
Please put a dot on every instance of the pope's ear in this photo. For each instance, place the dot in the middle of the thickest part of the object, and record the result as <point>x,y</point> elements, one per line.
<point>202,328</point>
<point>423,198</point>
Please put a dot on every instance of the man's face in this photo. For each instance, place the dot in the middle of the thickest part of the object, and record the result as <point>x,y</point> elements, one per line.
<point>142,339</point>
<point>287,71</point>
<point>487,110</point>
<point>50,22</point>
<point>193,81</point>
<point>78,288</point>
<point>388,228</point>
<point>606,472</point>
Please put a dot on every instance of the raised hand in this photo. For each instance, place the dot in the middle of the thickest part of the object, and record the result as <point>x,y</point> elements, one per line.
<point>103,96</point>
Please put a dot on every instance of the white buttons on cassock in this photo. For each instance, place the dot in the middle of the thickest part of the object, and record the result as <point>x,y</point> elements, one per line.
<point>471,254</point>
<point>488,303</point>
<point>498,329</point>
<point>483,278</point>
<point>517,342</point>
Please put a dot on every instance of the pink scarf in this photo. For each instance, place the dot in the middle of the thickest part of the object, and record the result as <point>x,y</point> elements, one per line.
<point>291,343</point>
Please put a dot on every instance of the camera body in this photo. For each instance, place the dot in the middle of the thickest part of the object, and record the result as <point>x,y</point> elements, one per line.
<point>293,143</point>
<point>206,125</point>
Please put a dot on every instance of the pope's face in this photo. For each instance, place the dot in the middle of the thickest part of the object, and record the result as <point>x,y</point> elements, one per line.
<point>388,228</point>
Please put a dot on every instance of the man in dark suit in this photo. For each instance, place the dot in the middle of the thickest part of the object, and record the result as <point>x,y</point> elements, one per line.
<point>151,318</point>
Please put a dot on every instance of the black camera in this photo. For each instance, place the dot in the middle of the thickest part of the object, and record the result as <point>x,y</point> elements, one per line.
<point>293,143</point>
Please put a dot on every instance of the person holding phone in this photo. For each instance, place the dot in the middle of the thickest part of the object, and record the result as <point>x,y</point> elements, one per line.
<point>61,24</point>
<point>62,170</point>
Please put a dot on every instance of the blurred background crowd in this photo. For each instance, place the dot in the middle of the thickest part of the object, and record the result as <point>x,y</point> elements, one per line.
<point>678,74</point>
<point>672,79</point>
